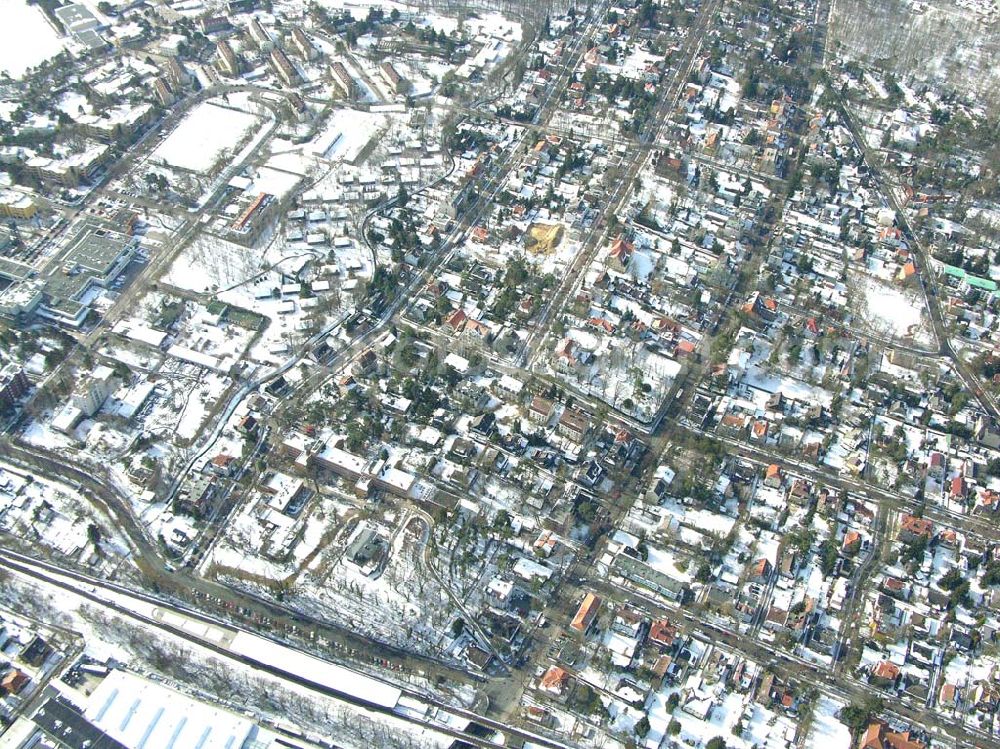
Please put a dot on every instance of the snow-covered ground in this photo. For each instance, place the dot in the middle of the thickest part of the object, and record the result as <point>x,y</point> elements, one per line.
<point>200,141</point>
<point>205,676</point>
<point>827,731</point>
<point>346,133</point>
<point>891,310</point>
<point>26,37</point>
<point>212,263</point>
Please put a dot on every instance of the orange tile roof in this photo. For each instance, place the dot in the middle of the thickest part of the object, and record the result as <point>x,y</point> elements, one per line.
<point>586,613</point>
<point>662,632</point>
<point>879,736</point>
<point>555,679</point>
<point>886,670</point>
<point>457,319</point>
<point>917,526</point>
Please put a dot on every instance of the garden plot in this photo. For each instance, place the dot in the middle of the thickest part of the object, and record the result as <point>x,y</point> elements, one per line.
<point>743,722</point>
<point>825,729</point>
<point>184,396</point>
<point>633,379</point>
<point>264,281</point>
<point>420,74</point>
<point>249,547</point>
<point>761,384</point>
<point>205,137</point>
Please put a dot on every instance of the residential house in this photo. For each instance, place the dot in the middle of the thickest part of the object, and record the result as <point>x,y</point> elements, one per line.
<point>586,613</point>
<point>912,528</point>
<point>573,424</point>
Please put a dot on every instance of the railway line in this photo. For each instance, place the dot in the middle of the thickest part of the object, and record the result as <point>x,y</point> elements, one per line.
<point>273,657</point>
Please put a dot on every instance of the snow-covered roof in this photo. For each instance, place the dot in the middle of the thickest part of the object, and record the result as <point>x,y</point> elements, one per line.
<point>137,712</point>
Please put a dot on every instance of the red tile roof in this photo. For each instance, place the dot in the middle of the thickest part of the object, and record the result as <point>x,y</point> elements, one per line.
<point>555,679</point>
<point>662,632</point>
<point>917,526</point>
<point>886,670</point>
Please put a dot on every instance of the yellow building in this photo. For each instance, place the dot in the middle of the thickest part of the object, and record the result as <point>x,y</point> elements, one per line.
<point>17,204</point>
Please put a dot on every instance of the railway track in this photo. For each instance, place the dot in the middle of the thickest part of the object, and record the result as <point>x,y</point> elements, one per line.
<point>91,589</point>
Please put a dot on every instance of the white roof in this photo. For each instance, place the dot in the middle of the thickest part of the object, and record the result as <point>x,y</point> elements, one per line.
<point>315,670</point>
<point>134,399</point>
<point>67,418</point>
<point>342,459</point>
<point>459,363</point>
<point>194,357</point>
<point>396,478</point>
<point>140,713</point>
<point>528,569</point>
<point>511,384</point>
<point>140,333</point>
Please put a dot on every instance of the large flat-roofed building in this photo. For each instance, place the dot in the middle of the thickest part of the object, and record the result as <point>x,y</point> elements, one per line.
<point>77,17</point>
<point>96,256</point>
<point>17,204</point>
<point>10,269</point>
<point>22,299</point>
<point>79,21</point>
<point>140,713</point>
<point>70,169</point>
<point>84,26</point>
<point>61,722</point>
<point>123,121</point>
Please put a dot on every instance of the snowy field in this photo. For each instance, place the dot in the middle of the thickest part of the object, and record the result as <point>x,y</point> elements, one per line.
<point>890,310</point>
<point>204,136</point>
<point>26,37</point>
<point>210,263</point>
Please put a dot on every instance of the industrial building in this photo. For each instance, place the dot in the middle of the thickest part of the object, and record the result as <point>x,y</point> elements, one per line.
<point>96,256</point>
